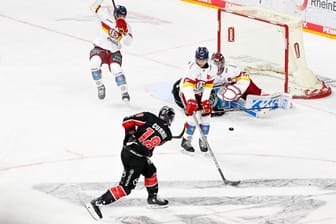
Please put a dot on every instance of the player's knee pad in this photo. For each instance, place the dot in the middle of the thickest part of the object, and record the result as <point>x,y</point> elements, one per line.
<point>95,62</point>
<point>115,69</point>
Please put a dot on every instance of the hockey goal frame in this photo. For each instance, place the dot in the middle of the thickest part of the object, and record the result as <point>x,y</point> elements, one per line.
<point>323,91</point>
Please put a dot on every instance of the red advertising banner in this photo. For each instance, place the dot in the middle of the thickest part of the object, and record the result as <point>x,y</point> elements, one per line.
<point>307,26</point>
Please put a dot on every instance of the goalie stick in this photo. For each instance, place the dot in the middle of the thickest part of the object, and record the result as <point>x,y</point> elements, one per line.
<point>226,181</point>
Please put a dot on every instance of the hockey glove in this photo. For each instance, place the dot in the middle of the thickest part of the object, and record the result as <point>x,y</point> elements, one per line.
<point>206,106</point>
<point>121,25</point>
<point>191,107</point>
<point>128,135</point>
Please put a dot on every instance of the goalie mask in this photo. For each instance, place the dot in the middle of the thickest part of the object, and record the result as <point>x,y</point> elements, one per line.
<point>167,114</point>
<point>219,60</point>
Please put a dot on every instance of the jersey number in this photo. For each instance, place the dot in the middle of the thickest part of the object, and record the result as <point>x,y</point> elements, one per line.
<point>152,142</point>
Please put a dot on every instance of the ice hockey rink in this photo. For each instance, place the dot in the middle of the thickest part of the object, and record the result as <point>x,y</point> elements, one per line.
<point>60,145</point>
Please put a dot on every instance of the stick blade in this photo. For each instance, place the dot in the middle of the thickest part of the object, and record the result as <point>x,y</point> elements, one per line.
<point>232,182</point>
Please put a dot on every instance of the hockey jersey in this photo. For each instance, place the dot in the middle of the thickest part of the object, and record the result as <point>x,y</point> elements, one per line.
<point>149,131</point>
<point>198,81</point>
<point>107,38</point>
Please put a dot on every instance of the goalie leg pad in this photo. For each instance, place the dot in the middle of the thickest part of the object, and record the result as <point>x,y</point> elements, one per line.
<point>286,101</point>
<point>275,100</point>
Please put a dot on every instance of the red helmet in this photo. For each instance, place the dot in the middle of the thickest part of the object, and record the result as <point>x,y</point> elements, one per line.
<point>219,60</point>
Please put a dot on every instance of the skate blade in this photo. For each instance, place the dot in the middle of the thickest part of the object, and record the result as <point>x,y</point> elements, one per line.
<point>91,211</point>
<point>157,206</point>
<point>126,100</point>
<point>187,152</point>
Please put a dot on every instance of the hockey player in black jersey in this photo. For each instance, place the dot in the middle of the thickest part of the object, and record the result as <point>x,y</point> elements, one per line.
<point>143,132</point>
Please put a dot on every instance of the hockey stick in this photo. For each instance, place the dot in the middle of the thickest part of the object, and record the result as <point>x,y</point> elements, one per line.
<point>243,109</point>
<point>114,5</point>
<point>180,135</point>
<point>226,181</point>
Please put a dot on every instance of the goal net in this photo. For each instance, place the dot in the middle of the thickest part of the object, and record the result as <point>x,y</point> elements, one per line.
<point>268,45</point>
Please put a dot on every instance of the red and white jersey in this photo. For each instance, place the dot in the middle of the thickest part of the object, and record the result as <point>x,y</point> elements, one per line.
<point>235,83</point>
<point>198,81</point>
<point>229,76</point>
<point>106,24</point>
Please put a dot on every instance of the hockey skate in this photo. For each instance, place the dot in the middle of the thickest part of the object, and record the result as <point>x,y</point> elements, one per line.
<point>101,92</point>
<point>93,208</point>
<point>125,97</point>
<point>186,145</point>
<point>202,145</point>
<point>155,202</point>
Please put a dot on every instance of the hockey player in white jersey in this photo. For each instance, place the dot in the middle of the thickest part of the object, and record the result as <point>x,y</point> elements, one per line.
<point>233,82</point>
<point>235,88</point>
<point>230,84</point>
<point>195,88</point>
<point>114,32</point>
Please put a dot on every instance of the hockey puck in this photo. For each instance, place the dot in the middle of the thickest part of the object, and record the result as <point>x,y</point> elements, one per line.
<point>231,128</point>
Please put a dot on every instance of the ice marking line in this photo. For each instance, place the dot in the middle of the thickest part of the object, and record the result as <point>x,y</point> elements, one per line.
<point>89,41</point>
<point>176,47</point>
<point>44,28</point>
<point>39,163</point>
<point>316,108</point>
<point>279,156</point>
<point>85,40</point>
<point>255,201</point>
<point>80,155</point>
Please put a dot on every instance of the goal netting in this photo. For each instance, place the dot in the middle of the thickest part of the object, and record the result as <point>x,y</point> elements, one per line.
<point>269,45</point>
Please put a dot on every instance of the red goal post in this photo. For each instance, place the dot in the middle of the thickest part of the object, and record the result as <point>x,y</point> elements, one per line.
<point>269,45</point>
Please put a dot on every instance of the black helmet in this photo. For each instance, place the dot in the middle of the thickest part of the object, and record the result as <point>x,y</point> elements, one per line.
<point>120,11</point>
<point>202,53</point>
<point>167,114</point>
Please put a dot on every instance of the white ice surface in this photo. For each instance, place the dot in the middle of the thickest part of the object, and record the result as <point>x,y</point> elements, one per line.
<point>56,138</point>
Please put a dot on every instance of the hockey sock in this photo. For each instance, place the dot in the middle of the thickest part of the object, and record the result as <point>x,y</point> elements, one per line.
<point>113,194</point>
<point>153,190</point>
<point>151,181</point>
<point>205,128</point>
<point>96,74</point>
